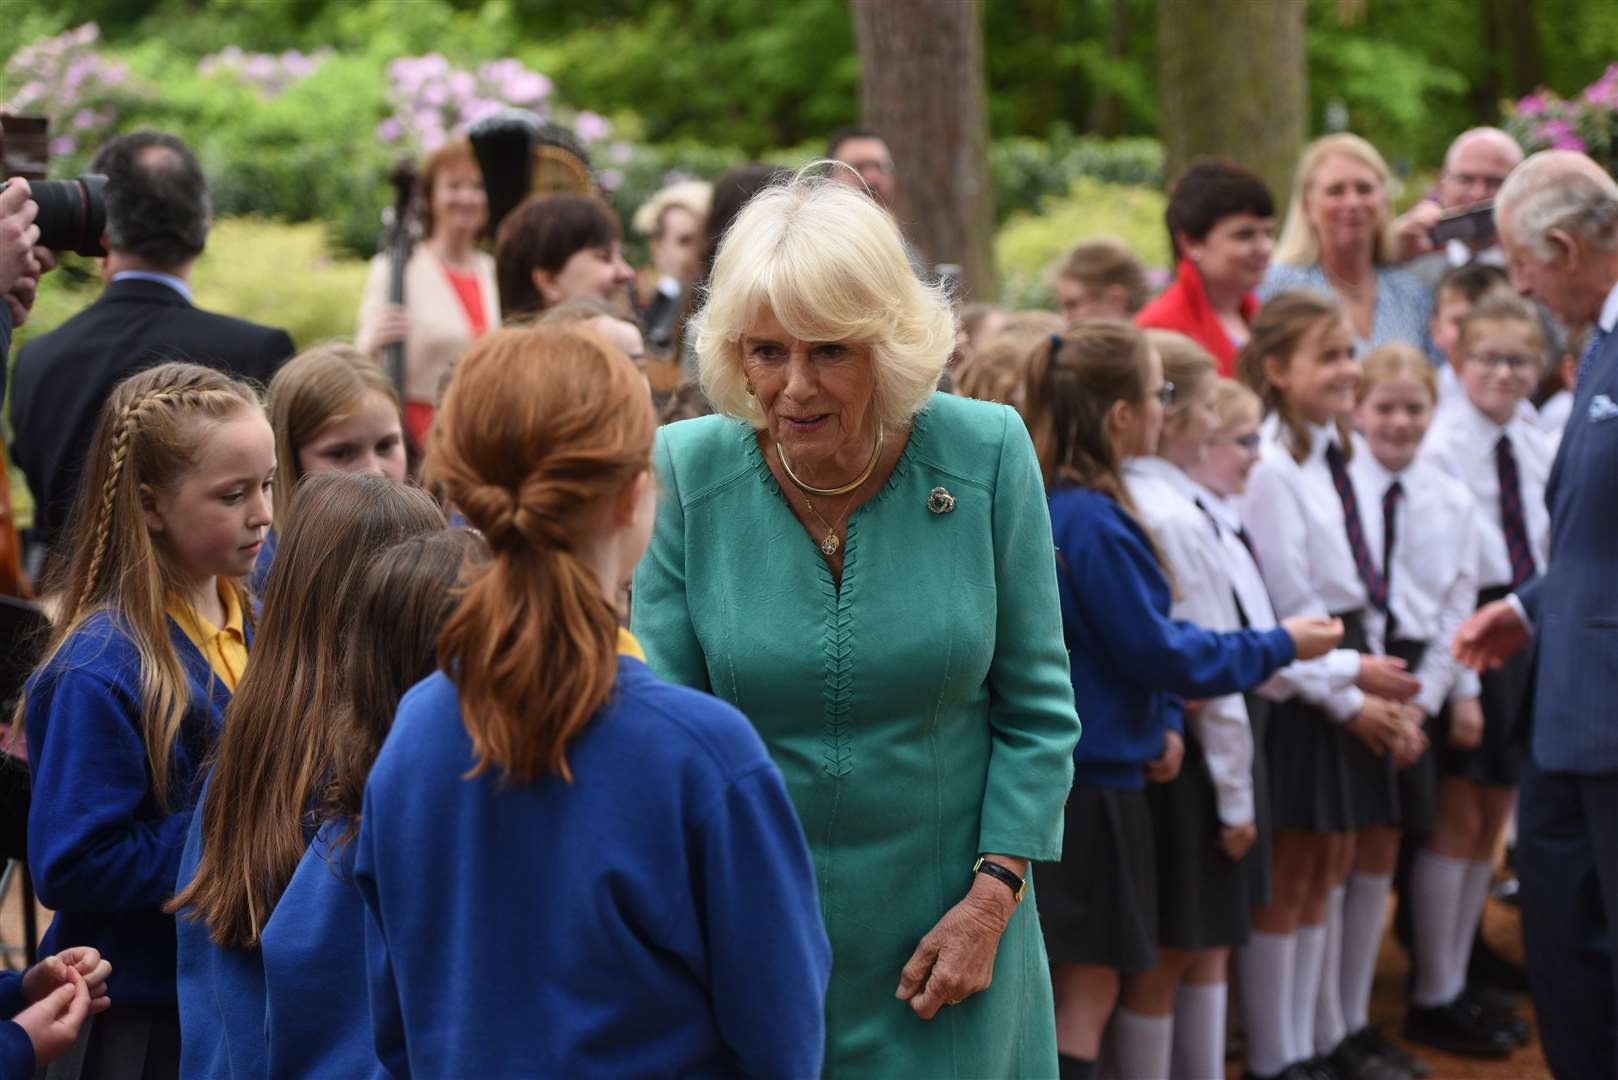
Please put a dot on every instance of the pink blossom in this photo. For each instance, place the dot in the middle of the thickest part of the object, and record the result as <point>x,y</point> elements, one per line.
<point>389,130</point>
<point>620,152</point>
<point>86,34</point>
<point>462,85</point>
<point>84,120</point>
<point>477,109</point>
<point>525,87</point>
<point>63,145</point>
<point>1531,105</point>
<point>611,179</point>
<point>590,127</point>
<point>434,93</point>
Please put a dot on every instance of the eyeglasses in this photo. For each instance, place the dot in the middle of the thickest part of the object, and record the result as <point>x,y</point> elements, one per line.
<point>1166,395</point>
<point>1248,442</point>
<point>1487,182</point>
<point>1512,362</point>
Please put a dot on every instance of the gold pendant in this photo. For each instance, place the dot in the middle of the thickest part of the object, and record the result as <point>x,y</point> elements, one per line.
<point>830,545</point>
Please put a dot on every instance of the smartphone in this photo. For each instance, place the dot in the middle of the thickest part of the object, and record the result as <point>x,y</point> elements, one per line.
<point>1474,224</point>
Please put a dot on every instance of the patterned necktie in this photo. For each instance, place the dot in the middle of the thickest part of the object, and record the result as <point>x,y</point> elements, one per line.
<point>1376,586</point>
<point>1512,522</point>
<point>1390,509</point>
<point>1598,337</point>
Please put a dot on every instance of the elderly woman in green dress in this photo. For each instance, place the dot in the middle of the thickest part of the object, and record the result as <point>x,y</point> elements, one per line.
<point>865,568</point>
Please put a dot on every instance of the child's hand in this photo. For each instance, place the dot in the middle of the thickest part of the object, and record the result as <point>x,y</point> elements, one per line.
<point>53,1022</point>
<point>1465,724</point>
<point>1409,747</point>
<point>44,977</point>
<point>1313,636</point>
<point>1380,724</point>
<point>1166,766</point>
<point>1236,840</point>
<point>1386,677</point>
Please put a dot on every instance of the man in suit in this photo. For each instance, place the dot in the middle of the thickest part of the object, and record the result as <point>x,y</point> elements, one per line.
<point>1558,220</point>
<point>157,223</point>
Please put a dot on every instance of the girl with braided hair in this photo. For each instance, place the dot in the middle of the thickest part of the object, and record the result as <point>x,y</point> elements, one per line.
<point>150,641</point>
<point>619,885</point>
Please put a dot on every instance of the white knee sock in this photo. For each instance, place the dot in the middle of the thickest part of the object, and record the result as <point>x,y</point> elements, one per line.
<point>1267,962</point>
<point>1436,885</point>
<point>1474,895</point>
<point>1365,913</point>
<point>1199,1031</point>
<point>1143,1044</point>
<point>1306,987</point>
<point>1328,999</point>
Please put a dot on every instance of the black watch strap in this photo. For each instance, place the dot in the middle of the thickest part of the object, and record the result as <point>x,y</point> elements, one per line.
<point>1017,885</point>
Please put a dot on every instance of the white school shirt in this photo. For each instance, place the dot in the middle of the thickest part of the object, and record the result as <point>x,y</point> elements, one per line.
<point>1461,443</point>
<point>1434,585</point>
<point>1326,681</point>
<point>1165,499</point>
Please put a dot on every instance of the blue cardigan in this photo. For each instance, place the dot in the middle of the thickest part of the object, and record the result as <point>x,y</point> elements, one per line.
<point>655,917</point>
<point>221,991</point>
<point>16,1049</point>
<point>103,852</point>
<point>1131,663</point>
<point>317,1019</point>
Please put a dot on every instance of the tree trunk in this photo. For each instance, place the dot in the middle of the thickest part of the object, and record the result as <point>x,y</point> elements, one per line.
<point>922,87</point>
<point>1232,82</point>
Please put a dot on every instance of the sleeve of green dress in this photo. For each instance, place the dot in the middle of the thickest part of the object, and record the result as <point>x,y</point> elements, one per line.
<point>660,615</point>
<point>1031,717</point>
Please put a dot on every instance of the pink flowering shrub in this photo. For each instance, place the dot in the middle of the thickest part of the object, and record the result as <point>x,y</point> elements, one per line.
<point>267,74</point>
<point>82,92</point>
<point>1587,123</point>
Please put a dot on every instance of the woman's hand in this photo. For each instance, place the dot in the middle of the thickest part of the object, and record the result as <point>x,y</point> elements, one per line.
<point>53,1023</point>
<point>39,981</point>
<point>390,326</point>
<point>1466,724</point>
<point>1386,677</point>
<point>1166,766</point>
<point>956,958</point>
<point>1313,636</point>
<point>1236,840</point>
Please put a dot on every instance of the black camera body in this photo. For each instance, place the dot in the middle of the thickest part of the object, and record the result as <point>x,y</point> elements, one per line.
<point>72,213</point>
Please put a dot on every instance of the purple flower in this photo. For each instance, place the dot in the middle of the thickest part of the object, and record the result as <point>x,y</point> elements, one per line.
<point>434,94</point>
<point>611,179</point>
<point>84,120</point>
<point>524,87</point>
<point>462,85</point>
<point>63,145</point>
<point>86,34</point>
<point>432,140</point>
<point>619,153</point>
<point>1569,141</point>
<point>591,127</point>
<point>1531,105</point>
<point>389,130</point>
<point>477,109</point>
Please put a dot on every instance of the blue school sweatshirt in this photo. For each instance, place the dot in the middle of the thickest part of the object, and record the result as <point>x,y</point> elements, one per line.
<point>1131,663</point>
<point>221,991</point>
<point>317,1018</point>
<point>260,575</point>
<point>655,917</point>
<point>102,851</point>
<point>16,1049</point>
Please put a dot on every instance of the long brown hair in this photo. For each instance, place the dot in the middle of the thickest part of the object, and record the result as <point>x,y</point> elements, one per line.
<point>310,391</point>
<point>403,600</point>
<point>148,434</point>
<point>277,744</point>
<point>541,426</point>
<point>1282,326</point>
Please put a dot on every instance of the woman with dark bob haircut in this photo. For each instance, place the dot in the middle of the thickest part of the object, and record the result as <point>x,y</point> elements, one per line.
<point>558,247</point>
<point>1221,221</point>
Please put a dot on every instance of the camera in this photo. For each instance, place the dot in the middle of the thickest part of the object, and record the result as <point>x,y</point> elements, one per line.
<point>72,213</point>
<point>1473,223</point>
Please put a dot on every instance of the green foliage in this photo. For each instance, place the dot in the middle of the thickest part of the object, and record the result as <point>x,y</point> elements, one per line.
<point>1391,91</point>
<point>1027,171</point>
<point>1029,243</point>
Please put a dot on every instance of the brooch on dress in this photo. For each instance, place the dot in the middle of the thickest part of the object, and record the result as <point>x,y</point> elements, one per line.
<point>940,501</point>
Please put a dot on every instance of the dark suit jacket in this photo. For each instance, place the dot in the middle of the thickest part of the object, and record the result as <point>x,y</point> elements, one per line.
<point>61,379</point>
<point>1574,604</point>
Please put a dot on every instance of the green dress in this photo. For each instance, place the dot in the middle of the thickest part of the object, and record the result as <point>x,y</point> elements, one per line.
<point>922,714</point>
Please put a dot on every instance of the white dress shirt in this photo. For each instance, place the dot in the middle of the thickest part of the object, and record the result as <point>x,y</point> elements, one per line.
<point>1164,497</point>
<point>1433,586</point>
<point>1461,443</point>
<point>1326,682</point>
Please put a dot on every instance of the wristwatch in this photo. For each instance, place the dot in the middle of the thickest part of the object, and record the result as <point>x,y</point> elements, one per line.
<point>1017,885</point>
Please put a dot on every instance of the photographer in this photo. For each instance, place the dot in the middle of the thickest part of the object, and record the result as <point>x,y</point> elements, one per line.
<point>1477,163</point>
<point>157,214</point>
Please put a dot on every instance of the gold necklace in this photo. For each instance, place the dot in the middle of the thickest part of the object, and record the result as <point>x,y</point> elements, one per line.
<point>830,544</point>
<point>870,467</point>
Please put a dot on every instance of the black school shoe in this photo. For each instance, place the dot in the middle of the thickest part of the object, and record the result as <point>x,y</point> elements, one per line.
<point>1460,1027</point>
<point>1353,1060</point>
<point>1488,967</point>
<point>1501,1010</point>
<point>1372,1039</point>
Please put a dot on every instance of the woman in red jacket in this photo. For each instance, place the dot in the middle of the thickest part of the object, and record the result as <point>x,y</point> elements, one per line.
<point>1221,221</point>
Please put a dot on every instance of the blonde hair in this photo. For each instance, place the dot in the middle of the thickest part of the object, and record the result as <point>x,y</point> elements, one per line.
<point>692,196</point>
<point>1496,308</point>
<point>1279,331</point>
<point>997,370</point>
<point>831,265</point>
<point>1298,245</point>
<point>310,391</point>
<point>1185,364</point>
<point>1235,404</point>
<point>148,435</point>
<point>1392,360</point>
<point>1097,264</point>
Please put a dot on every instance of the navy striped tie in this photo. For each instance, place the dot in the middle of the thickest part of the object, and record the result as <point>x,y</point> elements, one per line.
<point>1390,508</point>
<point>1511,515</point>
<point>1376,585</point>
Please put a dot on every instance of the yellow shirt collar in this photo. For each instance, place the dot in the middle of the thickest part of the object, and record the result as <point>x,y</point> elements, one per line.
<point>225,648</point>
<point>628,646</point>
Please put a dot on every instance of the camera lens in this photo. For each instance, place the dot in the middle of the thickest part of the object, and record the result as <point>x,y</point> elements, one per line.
<point>72,213</point>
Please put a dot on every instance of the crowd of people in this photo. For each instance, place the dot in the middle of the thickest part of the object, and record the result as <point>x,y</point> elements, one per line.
<point>768,665</point>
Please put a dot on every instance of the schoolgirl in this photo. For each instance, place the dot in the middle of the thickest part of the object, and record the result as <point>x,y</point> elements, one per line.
<point>150,642</point>
<point>661,897</point>
<point>333,410</point>
<point>316,1021</point>
<point>1204,819</point>
<point>276,750</point>
<point>1096,397</point>
<point>1484,442</point>
<point>1332,770</point>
